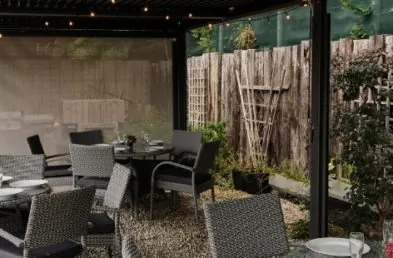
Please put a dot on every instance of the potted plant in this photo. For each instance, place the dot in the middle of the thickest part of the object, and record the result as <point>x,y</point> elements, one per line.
<point>363,131</point>
<point>251,179</point>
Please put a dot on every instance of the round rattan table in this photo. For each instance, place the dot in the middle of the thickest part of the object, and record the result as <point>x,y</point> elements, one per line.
<point>25,196</point>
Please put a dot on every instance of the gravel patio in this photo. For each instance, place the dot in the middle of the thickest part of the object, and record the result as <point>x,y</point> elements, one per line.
<point>174,233</point>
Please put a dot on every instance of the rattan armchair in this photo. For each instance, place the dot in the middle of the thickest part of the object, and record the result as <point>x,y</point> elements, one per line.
<point>56,174</point>
<point>103,230</point>
<point>90,137</point>
<point>22,167</point>
<point>176,177</point>
<point>129,248</point>
<point>91,165</point>
<point>249,227</point>
<point>186,146</point>
<point>54,221</point>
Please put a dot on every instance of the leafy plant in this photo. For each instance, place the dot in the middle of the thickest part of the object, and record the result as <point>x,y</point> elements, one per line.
<point>367,145</point>
<point>204,38</point>
<point>247,38</point>
<point>223,171</point>
<point>358,30</point>
<point>299,230</point>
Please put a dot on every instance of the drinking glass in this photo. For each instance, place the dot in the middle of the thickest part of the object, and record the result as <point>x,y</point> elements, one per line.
<point>387,231</point>
<point>1,179</point>
<point>356,243</point>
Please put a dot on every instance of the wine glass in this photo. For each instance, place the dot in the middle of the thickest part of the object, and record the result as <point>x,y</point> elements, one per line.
<point>356,243</point>
<point>387,231</point>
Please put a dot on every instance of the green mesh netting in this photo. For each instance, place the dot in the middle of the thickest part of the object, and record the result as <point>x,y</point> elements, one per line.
<point>280,31</point>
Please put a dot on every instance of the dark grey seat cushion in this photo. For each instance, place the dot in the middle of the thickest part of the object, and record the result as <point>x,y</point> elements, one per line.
<point>100,223</point>
<point>98,182</point>
<point>62,250</point>
<point>181,176</point>
<point>57,171</point>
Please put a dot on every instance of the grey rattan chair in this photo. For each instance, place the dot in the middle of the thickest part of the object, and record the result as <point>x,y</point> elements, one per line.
<point>180,178</point>
<point>249,227</point>
<point>54,221</point>
<point>22,167</point>
<point>129,248</point>
<point>91,165</point>
<point>90,137</point>
<point>104,231</point>
<point>187,145</point>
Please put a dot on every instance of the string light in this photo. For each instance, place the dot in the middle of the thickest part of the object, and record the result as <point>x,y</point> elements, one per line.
<point>146,9</point>
<point>167,17</point>
<point>287,16</point>
<point>71,23</point>
<point>113,1</point>
<point>92,14</point>
<point>190,15</point>
<point>46,23</point>
<point>228,24</point>
<point>1,35</point>
<point>210,25</point>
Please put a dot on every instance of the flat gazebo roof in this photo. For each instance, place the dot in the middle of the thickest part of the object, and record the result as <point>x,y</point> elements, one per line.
<point>141,16</point>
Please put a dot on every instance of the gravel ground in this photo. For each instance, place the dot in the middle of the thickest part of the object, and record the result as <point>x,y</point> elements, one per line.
<point>174,233</point>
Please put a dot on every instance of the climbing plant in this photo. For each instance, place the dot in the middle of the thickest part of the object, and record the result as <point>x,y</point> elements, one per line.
<point>204,37</point>
<point>358,30</point>
<point>247,38</point>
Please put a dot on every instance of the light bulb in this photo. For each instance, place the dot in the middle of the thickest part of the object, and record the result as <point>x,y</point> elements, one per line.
<point>46,23</point>
<point>167,17</point>
<point>146,9</point>
<point>71,23</point>
<point>190,15</point>
<point>92,14</point>
<point>288,16</point>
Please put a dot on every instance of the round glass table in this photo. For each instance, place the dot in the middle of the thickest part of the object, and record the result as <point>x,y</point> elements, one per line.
<point>25,196</point>
<point>144,151</point>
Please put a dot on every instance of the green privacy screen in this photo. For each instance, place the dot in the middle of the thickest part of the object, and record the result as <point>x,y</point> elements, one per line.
<point>292,25</point>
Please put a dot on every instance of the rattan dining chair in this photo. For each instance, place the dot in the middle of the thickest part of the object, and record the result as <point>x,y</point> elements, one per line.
<point>55,221</point>
<point>90,137</point>
<point>176,177</point>
<point>59,174</point>
<point>22,167</point>
<point>249,227</point>
<point>186,146</point>
<point>129,248</point>
<point>91,165</point>
<point>103,230</point>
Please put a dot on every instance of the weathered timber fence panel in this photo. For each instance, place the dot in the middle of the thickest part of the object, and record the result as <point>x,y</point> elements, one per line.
<point>291,131</point>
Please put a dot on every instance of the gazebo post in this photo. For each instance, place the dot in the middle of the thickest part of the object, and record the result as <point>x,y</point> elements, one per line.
<point>320,110</point>
<point>179,70</point>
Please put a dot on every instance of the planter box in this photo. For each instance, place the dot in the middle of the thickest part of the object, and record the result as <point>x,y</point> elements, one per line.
<point>337,189</point>
<point>251,183</point>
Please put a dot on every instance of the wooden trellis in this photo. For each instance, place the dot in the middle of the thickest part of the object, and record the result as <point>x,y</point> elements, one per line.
<point>259,108</point>
<point>197,97</point>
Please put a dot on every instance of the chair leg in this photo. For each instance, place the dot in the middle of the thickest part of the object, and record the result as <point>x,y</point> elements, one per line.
<point>151,199</point>
<point>213,194</point>
<point>110,252</point>
<point>196,196</point>
<point>173,195</point>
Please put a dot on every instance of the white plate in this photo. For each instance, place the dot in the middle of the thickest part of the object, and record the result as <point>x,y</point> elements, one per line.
<point>332,246</point>
<point>118,142</point>
<point>6,193</point>
<point>155,148</point>
<point>28,183</point>
<point>102,145</point>
<point>7,178</point>
<point>155,142</point>
<point>120,149</point>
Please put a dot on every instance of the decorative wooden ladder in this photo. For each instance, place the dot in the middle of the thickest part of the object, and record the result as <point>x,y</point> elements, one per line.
<point>259,108</point>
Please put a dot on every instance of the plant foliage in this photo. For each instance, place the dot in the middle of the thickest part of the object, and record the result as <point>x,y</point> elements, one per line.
<point>367,144</point>
<point>358,30</point>
<point>204,37</point>
<point>223,171</point>
<point>247,38</point>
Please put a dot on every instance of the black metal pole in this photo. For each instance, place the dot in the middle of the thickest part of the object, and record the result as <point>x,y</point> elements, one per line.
<point>320,109</point>
<point>179,70</point>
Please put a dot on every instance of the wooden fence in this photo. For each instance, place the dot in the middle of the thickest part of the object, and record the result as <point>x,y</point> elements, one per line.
<point>291,131</point>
